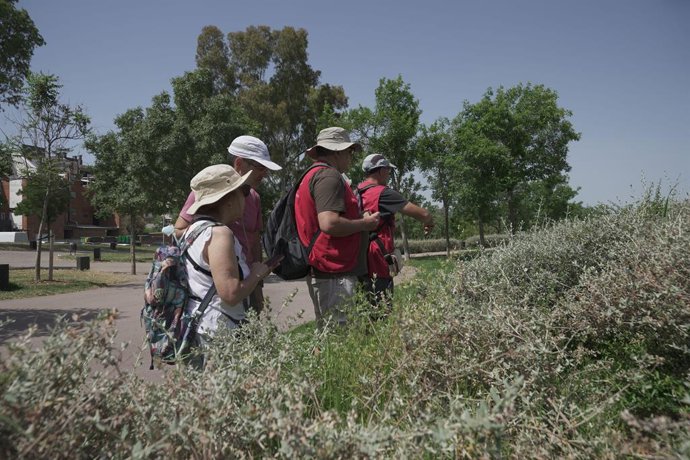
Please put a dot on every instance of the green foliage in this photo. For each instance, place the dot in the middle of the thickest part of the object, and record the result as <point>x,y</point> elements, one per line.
<point>268,71</point>
<point>571,341</point>
<point>512,149</point>
<point>18,38</point>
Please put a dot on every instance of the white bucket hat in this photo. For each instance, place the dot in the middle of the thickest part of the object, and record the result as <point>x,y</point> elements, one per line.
<point>213,183</point>
<point>333,138</point>
<point>252,148</point>
<point>376,160</point>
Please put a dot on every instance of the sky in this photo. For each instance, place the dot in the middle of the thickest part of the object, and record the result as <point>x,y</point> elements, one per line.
<point>621,66</point>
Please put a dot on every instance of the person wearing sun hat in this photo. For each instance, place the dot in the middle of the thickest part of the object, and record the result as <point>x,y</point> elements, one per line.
<point>381,255</point>
<point>327,214</point>
<point>215,257</point>
<point>246,154</point>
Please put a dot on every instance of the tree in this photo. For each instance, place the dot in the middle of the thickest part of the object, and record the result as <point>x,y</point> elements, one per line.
<point>121,183</point>
<point>438,161</point>
<point>508,140</point>
<point>276,87</point>
<point>391,129</point>
<point>50,129</point>
<point>18,38</point>
<point>47,191</point>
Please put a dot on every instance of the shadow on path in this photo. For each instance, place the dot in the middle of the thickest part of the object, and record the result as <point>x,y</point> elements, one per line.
<point>21,320</point>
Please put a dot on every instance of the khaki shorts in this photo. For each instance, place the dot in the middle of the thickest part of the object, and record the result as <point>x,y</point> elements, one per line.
<point>330,296</point>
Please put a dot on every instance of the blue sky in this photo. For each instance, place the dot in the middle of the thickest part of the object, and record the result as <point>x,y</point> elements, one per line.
<point>621,66</point>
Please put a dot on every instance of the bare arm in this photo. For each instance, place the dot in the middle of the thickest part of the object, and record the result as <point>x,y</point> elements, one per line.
<point>180,226</point>
<point>220,253</point>
<point>420,214</point>
<point>417,212</point>
<point>336,225</point>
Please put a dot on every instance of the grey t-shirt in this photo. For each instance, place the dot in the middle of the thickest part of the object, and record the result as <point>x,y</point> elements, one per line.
<point>328,189</point>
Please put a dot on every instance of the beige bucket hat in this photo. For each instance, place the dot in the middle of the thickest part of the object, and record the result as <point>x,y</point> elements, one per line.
<point>333,138</point>
<point>213,183</point>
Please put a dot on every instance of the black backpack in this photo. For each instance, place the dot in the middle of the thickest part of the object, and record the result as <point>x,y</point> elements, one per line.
<point>281,238</point>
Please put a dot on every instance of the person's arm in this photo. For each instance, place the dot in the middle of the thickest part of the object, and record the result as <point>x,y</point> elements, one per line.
<point>184,219</point>
<point>420,214</point>
<point>336,225</point>
<point>220,253</point>
<point>180,226</point>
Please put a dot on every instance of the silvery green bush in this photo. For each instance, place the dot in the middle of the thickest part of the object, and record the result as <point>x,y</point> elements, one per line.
<point>571,341</point>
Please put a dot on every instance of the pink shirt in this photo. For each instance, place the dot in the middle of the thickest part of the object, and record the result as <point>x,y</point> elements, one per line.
<point>246,230</point>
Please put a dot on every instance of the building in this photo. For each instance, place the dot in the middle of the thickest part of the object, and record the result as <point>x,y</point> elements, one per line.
<point>79,219</point>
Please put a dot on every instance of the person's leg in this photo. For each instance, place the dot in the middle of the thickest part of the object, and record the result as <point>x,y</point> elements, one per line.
<point>383,295</point>
<point>329,296</point>
<point>256,300</point>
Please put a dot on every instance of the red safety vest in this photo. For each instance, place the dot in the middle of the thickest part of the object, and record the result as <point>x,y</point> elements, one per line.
<point>370,194</point>
<point>330,254</point>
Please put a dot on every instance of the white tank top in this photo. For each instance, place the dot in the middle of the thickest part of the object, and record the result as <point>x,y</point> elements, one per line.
<point>217,312</point>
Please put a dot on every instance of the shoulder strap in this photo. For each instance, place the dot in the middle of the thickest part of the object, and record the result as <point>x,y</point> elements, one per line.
<point>187,242</point>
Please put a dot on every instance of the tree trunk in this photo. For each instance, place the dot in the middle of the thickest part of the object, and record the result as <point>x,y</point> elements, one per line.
<point>512,212</point>
<point>447,226</point>
<point>37,268</point>
<point>132,249</point>
<point>51,237</point>
<point>482,240</point>
<point>403,233</point>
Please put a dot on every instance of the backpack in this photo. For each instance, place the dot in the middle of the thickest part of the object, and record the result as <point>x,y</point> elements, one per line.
<point>166,293</point>
<point>281,238</point>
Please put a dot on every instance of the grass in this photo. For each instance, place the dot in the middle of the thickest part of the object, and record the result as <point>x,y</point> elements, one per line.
<point>22,282</point>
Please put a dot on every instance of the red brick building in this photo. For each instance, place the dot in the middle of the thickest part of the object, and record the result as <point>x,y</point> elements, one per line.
<point>78,220</point>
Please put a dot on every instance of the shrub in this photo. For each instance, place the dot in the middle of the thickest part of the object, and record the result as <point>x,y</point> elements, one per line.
<point>568,342</point>
<point>435,245</point>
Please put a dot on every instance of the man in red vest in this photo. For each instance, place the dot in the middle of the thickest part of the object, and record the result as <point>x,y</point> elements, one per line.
<point>377,197</point>
<point>327,215</point>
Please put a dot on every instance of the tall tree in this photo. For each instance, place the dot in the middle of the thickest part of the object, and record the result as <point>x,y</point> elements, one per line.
<point>438,160</point>
<point>47,191</point>
<point>513,137</point>
<point>18,38</point>
<point>391,129</point>
<point>50,128</point>
<point>212,55</point>
<point>122,181</point>
<point>277,88</point>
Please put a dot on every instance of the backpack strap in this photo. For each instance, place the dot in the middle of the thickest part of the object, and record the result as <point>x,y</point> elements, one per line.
<point>187,242</point>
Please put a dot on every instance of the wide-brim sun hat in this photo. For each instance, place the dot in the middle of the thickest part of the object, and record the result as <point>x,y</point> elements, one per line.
<point>253,148</point>
<point>374,161</point>
<point>213,183</point>
<point>335,139</point>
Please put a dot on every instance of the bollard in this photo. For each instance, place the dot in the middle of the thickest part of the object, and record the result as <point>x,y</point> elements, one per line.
<point>96,254</point>
<point>4,277</point>
<point>83,263</point>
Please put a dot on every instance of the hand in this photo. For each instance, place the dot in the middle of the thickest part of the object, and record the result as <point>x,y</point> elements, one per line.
<point>371,221</point>
<point>274,261</point>
<point>259,271</point>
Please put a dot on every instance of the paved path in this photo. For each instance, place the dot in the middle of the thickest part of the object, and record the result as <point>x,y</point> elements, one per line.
<point>289,304</point>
